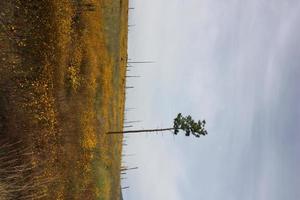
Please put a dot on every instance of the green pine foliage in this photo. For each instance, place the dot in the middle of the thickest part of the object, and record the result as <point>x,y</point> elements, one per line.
<point>189,126</point>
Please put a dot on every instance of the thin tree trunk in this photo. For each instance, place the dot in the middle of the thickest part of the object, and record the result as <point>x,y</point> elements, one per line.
<point>141,131</point>
<point>126,169</point>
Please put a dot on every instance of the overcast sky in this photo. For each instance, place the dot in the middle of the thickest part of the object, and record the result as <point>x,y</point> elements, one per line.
<point>235,63</point>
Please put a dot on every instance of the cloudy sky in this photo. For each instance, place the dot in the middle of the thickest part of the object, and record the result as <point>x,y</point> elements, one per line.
<point>235,63</point>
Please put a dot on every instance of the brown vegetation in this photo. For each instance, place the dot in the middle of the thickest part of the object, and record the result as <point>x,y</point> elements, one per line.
<point>21,178</point>
<point>62,69</point>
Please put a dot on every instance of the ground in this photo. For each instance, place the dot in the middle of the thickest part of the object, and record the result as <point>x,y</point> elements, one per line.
<point>62,77</point>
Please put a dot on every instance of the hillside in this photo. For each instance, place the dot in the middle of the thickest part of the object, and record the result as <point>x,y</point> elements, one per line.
<point>62,76</point>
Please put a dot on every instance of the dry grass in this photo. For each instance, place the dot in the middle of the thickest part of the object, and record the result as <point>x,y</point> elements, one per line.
<point>20,178</point>
<point>62,69</point>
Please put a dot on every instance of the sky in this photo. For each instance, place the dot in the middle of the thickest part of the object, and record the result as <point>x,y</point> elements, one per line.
<point>234,63</point>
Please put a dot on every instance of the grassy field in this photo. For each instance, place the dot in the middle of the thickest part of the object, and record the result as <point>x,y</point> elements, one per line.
<point>62,77</point>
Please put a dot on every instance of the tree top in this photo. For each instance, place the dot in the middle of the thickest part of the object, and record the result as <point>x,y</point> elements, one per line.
<point>189,126</point>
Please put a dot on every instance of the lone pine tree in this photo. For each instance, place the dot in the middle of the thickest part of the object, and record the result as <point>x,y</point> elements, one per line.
<point>186,124</point>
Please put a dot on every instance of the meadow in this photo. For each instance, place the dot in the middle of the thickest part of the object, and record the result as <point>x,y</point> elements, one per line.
<point>62,86</point>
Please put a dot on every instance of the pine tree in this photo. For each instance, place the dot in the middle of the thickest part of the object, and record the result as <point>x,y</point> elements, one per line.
<point>181,123</point>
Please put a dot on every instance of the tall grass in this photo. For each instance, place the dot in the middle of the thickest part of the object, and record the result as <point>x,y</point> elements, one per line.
<point>20,178</point>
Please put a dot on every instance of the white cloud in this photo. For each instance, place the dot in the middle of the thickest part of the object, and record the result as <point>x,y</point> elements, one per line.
<point>233,63</point>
